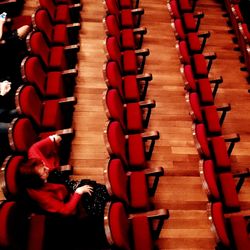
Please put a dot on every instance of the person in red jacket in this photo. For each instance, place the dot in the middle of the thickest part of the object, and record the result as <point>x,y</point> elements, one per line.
<point>86,197</point>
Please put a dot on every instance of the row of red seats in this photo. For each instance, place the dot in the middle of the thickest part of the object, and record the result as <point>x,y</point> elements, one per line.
<point>127,175</point>
<point>48,83</point>
<point>237,11</point>
<point>218,181</point>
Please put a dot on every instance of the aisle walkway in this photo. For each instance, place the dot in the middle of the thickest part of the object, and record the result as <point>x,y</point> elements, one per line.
<point>180,189</point>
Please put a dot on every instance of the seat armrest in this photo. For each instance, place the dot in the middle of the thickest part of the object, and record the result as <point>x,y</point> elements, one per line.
<point>204,34</point>
<point>65,132</point>
<point>210,55</point>
<point>72,72</point>
<point>75,6</point>
<point>138,11</point>
<point>224,107</point>
<point>140,30</point>
<point>235,137</point>
<point>199,14</point>
<point>66,169</point>
<point>147,103</point>
<point>217,80</point>
<point>73,26</point>
<point>150,135</point>
<point>147,76</point>
<point>142,52</point>
<point>156,219</point>
<point>71,99</point>
<point>73,47</point>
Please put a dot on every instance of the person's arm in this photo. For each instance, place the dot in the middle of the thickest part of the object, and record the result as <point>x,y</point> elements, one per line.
<point>49,203</point>
<point>44,148</point>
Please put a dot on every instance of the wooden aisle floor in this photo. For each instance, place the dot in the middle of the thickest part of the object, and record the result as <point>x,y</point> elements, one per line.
<point>180,189</point>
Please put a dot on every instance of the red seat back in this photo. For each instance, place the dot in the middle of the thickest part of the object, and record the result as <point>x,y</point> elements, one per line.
<point>25,95</point>
<point>32,72</point>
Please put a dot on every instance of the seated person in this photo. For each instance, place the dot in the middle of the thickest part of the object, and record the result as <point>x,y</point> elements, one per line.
<point>50,192</point>
<point>12,49</point>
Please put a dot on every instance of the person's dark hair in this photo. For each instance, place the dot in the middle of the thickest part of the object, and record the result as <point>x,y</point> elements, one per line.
<point>28,176</point>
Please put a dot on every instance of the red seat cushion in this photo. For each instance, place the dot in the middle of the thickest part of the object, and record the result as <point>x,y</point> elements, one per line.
<point>184,55</point>
<point>189,78</point>
<point>60,35</point>
<point>136,151</point>
<point>220,152</point>
<point>127,39</point>
<point>119,226</point>
<point>115,107</point>
<point>189,22</point>
<point>131,90</point>
<point>237,13</point>
<point>195,106</point>
<point>52,115</point>
<point>118,180</point>
<point>239,231</point>
<point>129,62</point>
<point>126,4</point>
<point>185,5</point>
<point>62,14</point>
<point>200,65</point>
<point>7,218</point>
<point>202,140</point>
<point>211,119</point>
<point>179,29</point>
<point>210,180</point>
<point>219,223</point>
<point>134,117</point>
<point>55,85</point>
<point>117,141</point>
<point>23,134</point>
<point>228,190</point>
<point>174,9</point>
<point>205,92</point>
<point>142,237</point>
<point>193,42</point>
<point>139,198</point>
<point>11,169</point>
<point>126,18</point>
<point>57,58</point>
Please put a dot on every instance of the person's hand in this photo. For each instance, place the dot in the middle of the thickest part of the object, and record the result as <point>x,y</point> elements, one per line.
<point>84,189</point>
<point>56,138</point>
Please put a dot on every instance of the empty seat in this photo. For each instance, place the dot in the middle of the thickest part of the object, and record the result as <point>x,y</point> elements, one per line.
<point>61,13</point>
<point>131,149</point>
<point>52,84</point>
<point>215,147</point>
<point>202,85</point>
<point>128,18</point>
<point>127,38</point>
<point>129,61</point>
<point>135,233</point>
<point>53,57</point>
<point>134,117</point>
<point>131,88</point>
<point>219,186</point>
<point>131,188</point>
<point>47,115</point>
<point>201,63</point>
<point>207,114</point>
<point>191,21</point>
<point>192,38</point>
<point>56,34</point>
<point>231,232</point>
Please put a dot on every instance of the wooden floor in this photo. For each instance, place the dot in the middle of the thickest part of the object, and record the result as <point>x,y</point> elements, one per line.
<point>180,189</point>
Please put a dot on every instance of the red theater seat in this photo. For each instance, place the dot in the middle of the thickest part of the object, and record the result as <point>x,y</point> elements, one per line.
<point>133,117</point>
<point>131,149</point>
<point>131,88</point>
